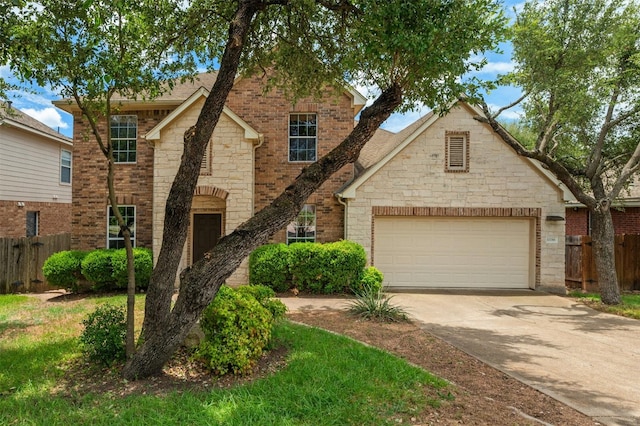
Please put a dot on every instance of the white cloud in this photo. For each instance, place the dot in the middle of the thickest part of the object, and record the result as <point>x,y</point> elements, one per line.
<point>514,113</point>
<point>48,116</point>
<point>497,67</point>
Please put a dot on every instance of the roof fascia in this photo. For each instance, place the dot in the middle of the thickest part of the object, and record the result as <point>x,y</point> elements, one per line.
<point>61,139</point>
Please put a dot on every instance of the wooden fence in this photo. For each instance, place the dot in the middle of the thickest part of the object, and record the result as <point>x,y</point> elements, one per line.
<point>580,267</point>
<point>21,261</point>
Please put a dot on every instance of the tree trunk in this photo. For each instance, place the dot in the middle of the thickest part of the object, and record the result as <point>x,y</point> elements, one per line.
<point>603,238</point>
<point>201,281</point>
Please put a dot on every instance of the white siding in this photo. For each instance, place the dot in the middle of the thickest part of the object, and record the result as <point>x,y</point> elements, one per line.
<point>30,168</point>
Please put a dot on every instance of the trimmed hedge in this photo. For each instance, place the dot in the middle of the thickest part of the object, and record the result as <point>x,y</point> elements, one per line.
<point>318,268</point>
<point>371,280</point>
<point>105,268</point>
<point>143,264</point>
<point>63,269</point>
<point>237,328</point>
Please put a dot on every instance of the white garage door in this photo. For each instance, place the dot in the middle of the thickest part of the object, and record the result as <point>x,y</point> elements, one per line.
<point>437,252</point>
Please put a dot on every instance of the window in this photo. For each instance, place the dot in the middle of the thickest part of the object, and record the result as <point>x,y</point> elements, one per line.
<point>303,229</point>
<point>65,166</point>
<point>124,133</point>
<point>302,137</point>
<point>114,235</point>
<point>33,223</point>
<point>457,151</point>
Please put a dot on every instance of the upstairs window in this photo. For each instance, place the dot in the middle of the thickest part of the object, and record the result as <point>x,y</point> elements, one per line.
<point>457,151</point>
<point>302,137</point>
<point>115,240</point>
<point>124,135</point>
<point>65,166</point>
<point>303,229</point>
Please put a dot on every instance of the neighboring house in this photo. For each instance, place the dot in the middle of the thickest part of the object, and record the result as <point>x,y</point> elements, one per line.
<point>447,204</point>
<point>260,145</point>
<point>36,165</point>
<point>625,213</point>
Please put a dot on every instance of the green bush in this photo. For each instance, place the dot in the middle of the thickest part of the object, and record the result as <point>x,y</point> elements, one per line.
<point>269,266</point>
<point>266,297</point>
<point>63,269</point>
<point>104,334</point>
<point>237,328</point>
<point>97,268</point>
<point>143,263</point>
<point>317,268</point>
<point>371,279</point>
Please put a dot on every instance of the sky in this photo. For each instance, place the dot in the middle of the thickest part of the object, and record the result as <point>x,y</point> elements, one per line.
<point>38,105</point>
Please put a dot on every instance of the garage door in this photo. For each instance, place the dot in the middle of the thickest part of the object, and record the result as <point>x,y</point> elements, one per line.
<point>436,252</point>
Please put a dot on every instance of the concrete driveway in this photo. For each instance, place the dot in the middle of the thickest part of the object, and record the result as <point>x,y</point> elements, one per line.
<point>582,357</point>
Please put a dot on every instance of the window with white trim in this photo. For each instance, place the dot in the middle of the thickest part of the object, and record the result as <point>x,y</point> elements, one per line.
<point>303,139</point>
<point>303,229</point>
<point>457,151</point>
<point>115,239</point>
<point>124,135</point>
<point>65,166</point>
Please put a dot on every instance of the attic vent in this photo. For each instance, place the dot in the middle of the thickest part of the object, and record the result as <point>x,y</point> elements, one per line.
<point>457,151</point>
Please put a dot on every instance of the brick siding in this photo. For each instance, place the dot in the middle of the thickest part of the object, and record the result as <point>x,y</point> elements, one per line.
<point>134,184</point>
<point>625,221</point>
<point>54,218</point>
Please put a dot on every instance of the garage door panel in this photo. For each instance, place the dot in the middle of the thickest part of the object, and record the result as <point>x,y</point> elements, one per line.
<point>453,252</point>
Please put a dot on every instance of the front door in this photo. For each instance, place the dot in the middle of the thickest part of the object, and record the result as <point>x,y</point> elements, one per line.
<point>207,229</point>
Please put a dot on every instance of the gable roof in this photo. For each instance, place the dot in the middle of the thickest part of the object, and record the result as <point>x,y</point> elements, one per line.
<point>182,90</point>
<point>154,134</point>
<point>396,143</point>
<point>15,118</point>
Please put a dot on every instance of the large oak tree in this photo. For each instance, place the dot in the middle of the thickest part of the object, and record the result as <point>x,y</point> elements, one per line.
<point>578,63</point>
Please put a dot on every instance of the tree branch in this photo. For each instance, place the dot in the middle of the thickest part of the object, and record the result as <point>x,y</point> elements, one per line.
<point>511,105</point>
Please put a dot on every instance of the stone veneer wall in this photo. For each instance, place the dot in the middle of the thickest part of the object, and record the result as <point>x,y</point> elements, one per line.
<point>54,218</point>
<point>497,179</point>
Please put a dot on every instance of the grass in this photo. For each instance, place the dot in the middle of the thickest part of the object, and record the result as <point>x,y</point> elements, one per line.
<point>328,380</point>
<point>630,306</point>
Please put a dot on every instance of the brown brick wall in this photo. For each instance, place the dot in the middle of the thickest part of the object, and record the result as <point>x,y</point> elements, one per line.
<point>625,221</point>
<point>269,115</point>
<point>134,184</point>
<point>55,218</point>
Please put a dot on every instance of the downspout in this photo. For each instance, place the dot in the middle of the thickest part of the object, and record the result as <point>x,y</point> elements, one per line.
<point>346,216</point>
<point>253,184</point>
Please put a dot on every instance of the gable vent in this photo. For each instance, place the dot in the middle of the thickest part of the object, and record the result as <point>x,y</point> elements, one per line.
<point>457,155</point>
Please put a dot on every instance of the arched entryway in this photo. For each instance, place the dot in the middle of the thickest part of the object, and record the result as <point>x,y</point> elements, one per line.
<point>207,221</point>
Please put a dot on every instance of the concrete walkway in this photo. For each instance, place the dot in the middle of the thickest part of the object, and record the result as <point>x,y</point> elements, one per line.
<point>584,358</point>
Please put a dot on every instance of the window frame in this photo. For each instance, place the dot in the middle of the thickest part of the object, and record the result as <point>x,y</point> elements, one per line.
<point>297,137</point>
<point>297,226</point>
<point>120,238</point>
<point>454,135</point>
<point>63,166</point>
<point>116,141</point>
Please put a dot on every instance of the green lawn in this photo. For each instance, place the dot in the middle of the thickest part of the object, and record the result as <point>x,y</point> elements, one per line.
<point>630,306</point>
<point>328,380</point>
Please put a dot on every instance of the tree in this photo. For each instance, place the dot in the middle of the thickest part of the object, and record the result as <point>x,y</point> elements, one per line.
<point>410,51</point>
<point>90,51</point>
<point>578,63</point>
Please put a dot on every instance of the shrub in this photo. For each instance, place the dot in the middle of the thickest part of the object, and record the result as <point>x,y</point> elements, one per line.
<point>371,279</point>
<point>63,269</point>
<point>372,304</point>
<point>269,266</point>
<point>308,266</point>
<point>97,267</point>
<point>104,334</point>
<point>143,263</point>
<point>266,297</point>
<point>236,328</point>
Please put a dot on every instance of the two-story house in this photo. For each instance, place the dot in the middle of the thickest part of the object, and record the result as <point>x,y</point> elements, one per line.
<point>36,166</point>
<point>260,144</point>
<point>444,203</point>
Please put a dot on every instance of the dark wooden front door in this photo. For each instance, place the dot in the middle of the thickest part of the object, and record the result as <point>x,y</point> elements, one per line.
<point>206,233</point>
